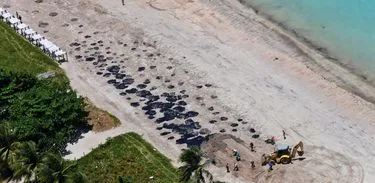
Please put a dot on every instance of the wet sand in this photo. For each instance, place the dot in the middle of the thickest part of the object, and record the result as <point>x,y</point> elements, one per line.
<point>176,71</point>
<point>319,59</point>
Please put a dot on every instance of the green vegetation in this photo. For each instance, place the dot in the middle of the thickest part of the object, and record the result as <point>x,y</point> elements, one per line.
<point>37,118</point>
<point>193,168</point>
<point>18,55</point>
<point>115,120</point>
<point>99,120</point>
<point>42,111</point>
<point>23,160</point>
<point>131,158</point>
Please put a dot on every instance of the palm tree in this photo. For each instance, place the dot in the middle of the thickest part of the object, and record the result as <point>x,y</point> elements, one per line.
<point>8,137</point>
<point>26,160</point>
<point>57,170</point>
<point>193,167</point>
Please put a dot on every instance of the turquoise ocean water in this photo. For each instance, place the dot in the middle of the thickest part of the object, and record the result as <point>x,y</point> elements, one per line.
<point>346,28</point>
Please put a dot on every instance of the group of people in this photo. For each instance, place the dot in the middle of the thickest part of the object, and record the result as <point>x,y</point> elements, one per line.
<point>237,155</point>
<point>252,148</point>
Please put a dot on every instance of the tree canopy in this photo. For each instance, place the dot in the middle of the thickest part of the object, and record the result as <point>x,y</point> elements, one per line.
<point>193,167</point>
<point>37,119</point>
<point>42,111</point>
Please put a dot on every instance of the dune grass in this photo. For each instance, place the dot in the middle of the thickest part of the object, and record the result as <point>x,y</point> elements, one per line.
<point>130,157</point>
<point>99,119</point>
<point>18,55</point>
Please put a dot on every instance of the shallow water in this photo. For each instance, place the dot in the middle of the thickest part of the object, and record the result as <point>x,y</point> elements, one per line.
<point>346,28</point>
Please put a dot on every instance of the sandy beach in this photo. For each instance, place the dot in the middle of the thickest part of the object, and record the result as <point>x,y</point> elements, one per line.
<point>235,72</point>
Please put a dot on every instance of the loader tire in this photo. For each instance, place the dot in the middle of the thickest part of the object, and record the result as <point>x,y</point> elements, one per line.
<point>285,160</point>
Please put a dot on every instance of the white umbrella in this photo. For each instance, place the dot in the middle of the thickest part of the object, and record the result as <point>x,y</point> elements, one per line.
<point>46,44</point>
<point>44,41</point>
<point>14,21</point>
<point>29,32</point>
<point>60,53</point>
<point>7,15</point>
<point>53,48</point>
<point>21,26</point>
<point>36,37</point>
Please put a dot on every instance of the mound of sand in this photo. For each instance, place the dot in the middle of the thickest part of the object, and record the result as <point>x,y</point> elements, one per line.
<point>319,164</point>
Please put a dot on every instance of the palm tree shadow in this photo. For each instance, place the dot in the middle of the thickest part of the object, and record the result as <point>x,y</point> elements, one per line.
<point>191,141</point>
<point>188,135</point>
<point>80,130</point>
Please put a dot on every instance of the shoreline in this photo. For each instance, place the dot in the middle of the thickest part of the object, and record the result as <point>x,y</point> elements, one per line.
<point>223,69</point>
<point>355,82</point>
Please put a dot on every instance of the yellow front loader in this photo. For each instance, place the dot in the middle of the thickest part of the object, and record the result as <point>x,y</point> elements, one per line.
<point>283,154</point>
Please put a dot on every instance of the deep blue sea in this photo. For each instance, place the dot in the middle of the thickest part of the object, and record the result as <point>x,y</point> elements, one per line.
<point>345,27</point>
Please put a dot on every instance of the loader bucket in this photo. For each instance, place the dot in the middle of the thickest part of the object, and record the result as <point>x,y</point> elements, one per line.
<point>300,153</point>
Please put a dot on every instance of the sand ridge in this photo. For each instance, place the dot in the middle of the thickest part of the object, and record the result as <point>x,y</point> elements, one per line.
<point>237,73</point>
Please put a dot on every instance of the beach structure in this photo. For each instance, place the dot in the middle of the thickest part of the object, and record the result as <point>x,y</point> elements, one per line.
<point>28,33</point>
<point>14,22</point>
<point>34,38</point>
<point>61,55</point>
<point>6,15</point>
<point>20,27</point>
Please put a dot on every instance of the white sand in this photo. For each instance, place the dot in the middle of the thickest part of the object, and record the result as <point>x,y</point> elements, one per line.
<point>230,47</point>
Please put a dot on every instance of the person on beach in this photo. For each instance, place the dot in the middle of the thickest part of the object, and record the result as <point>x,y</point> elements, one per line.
<point>227,166</point>
<point>18,16</point>
<point>284,135</point>
<point>252,165</point>
<point>273,139</point>
<point>252,147</point>
<point>235,167</point>
<point>238,156</point>
<point>234,152</point>
<point>123,2</point>
<point>270,164</point>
